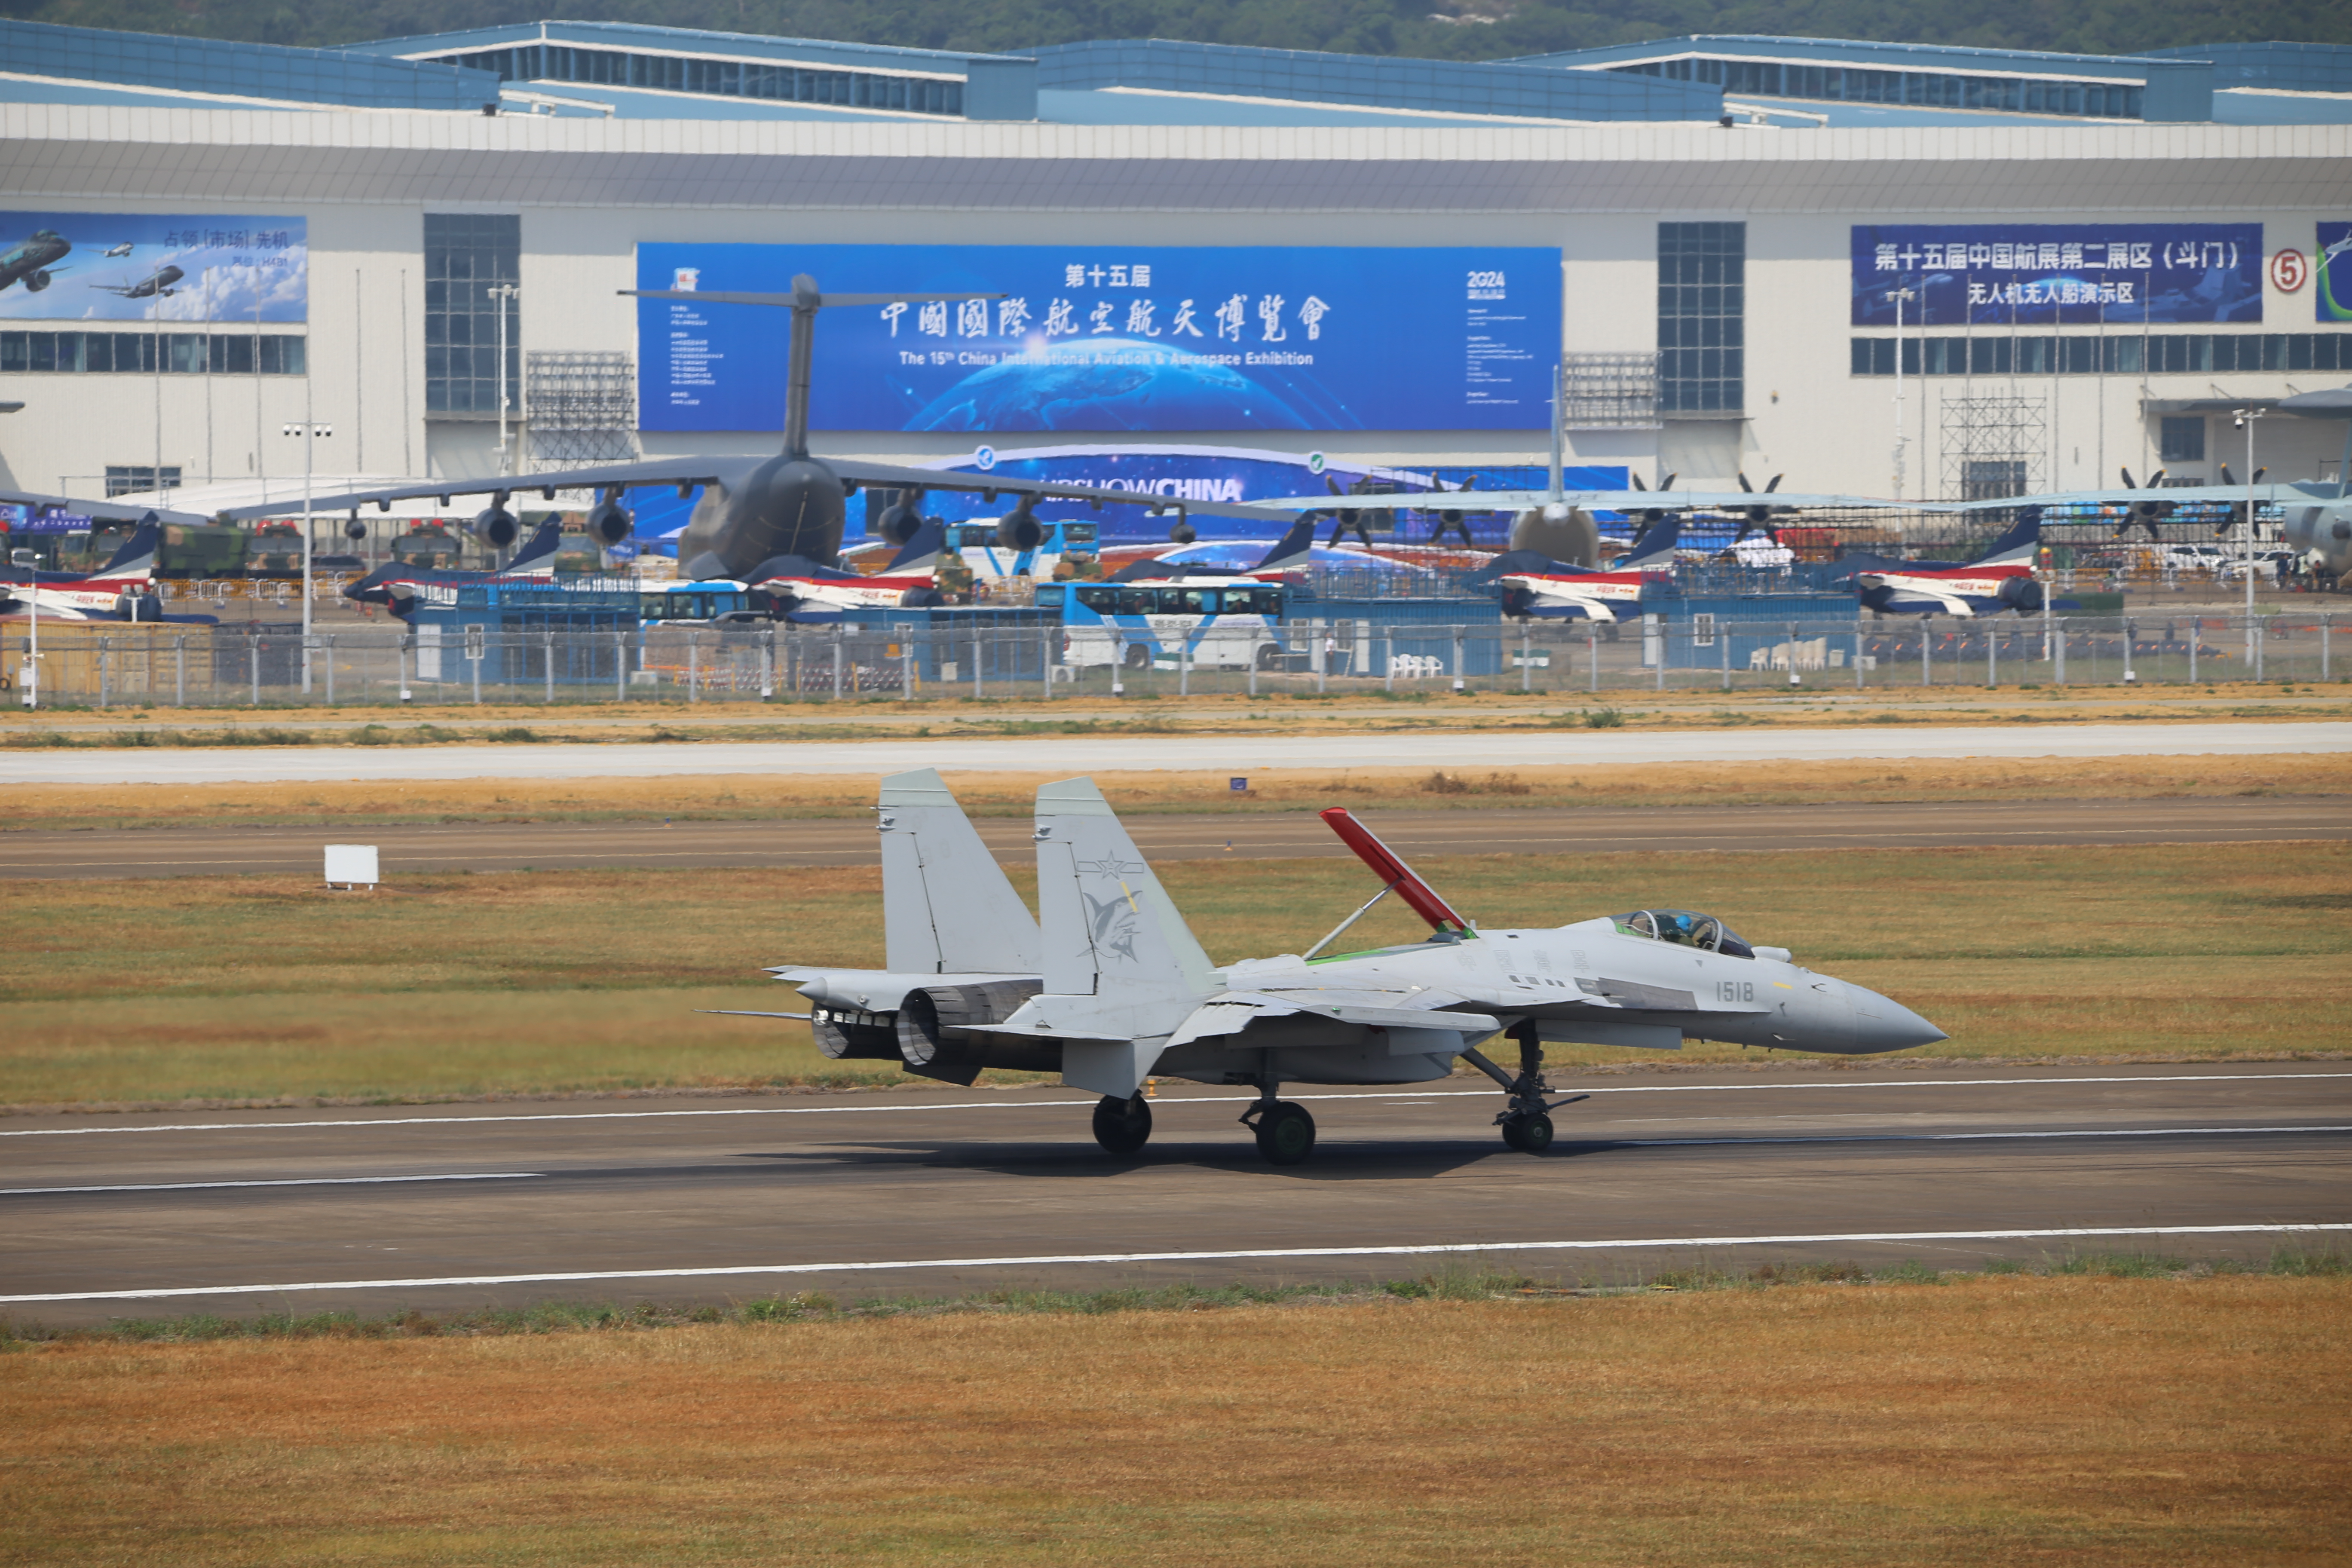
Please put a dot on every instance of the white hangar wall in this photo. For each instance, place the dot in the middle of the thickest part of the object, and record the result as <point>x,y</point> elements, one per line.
<point>587,192</point>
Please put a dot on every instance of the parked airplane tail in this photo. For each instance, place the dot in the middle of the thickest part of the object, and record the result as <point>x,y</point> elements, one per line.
<point>1657,546</point>
<point>2018,545</point>
<point>1108,928</point>
<point>137,557</point>
<point>1294,550</point>
<point>919,556</point>
<point>947,906</point>
<point>537,557</point>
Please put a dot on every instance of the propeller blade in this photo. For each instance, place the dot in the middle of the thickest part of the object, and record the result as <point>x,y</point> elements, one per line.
<point>2258,475</point>
<point>1745,485</point>
<point>2227,477</point>
<point>1775,484</point>
<point>1636,478</point>
<point>1668,482</point>
<point>2156,480</point>
<point>2129,483</point>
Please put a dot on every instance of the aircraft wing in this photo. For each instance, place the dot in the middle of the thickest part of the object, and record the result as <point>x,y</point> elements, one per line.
<point>2209,495</point>
<point>102,510</point>
<point>1230,1012</point>
<point>857,471</point>
<point>690,471</point>
<point>1593,501</point>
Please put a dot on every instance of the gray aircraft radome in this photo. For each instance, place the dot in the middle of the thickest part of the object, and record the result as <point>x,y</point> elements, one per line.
<point>1110,988</point>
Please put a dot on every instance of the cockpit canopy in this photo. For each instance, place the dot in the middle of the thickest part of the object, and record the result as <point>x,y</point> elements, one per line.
<point>1686,928</point>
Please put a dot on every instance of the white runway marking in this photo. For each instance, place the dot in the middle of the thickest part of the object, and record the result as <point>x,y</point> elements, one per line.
<point>1949,1137</point>
<point>1236,1254</point>
<point>1171,1100</point>
<point>289,1181</point>
<point>1214,753</point>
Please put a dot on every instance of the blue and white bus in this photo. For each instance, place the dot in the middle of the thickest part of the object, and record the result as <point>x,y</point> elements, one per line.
<point>1231,624</point>
<point>991,561</point>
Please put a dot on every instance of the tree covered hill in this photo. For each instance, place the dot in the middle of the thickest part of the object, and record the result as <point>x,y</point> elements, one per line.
<point>1446,29</point>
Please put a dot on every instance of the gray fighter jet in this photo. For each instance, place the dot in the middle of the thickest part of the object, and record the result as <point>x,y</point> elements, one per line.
<point>1110,987</point>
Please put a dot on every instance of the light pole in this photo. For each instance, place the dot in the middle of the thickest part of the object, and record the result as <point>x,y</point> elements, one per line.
<point>504,293</point>
<point>1899,296</point>
<point>2245,419</point>
<point>30,560</point>
<point>309,433</point>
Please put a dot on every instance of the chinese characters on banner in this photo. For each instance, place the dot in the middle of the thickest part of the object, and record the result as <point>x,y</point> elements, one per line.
<point>2030,274</point>
<point>1099,339</point>
<point>140,266</point>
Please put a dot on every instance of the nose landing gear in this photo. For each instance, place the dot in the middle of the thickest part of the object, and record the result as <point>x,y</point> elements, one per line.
<point>1525,1116</point>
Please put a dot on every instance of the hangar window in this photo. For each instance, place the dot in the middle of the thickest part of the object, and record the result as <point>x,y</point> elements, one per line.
<point>2184,438</point>
<point>2115,353</point>
<point>466,254</point>
<point>1702,319</point>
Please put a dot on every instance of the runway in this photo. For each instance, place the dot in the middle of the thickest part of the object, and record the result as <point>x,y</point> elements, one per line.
<point>1223,753</point>
<point>550,845</point>
<point>946,1192</point>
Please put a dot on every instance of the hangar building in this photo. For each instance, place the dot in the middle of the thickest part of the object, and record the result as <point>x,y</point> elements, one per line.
<point>2094,261</point>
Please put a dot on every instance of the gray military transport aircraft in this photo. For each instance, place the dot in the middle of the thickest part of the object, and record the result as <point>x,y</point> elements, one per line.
<point>755,511</point>
<point>1112,988</point>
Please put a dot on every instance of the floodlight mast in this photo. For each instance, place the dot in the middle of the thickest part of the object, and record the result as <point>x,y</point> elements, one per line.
<point>804,301</point>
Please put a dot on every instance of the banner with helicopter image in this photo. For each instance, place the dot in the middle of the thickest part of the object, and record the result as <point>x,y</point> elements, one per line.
<point>145,267</point>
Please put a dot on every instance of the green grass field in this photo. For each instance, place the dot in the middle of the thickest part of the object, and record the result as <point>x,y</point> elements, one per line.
<point>246,988</point>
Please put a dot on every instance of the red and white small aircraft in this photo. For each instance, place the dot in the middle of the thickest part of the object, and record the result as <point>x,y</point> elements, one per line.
<point>910,581</point>
<point>1537,587</point>
<point>2000,580</point>
<point>119,591</point>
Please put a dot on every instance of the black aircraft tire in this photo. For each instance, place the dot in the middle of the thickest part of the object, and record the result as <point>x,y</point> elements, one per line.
<point>1512,1136</point>
<point>1285,1133</point>
<point>1123,1126</point>
<point>1535,1134</point>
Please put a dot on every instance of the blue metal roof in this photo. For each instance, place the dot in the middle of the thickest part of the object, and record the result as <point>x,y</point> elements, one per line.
<point>1386,81</point>
<point>350,77</point>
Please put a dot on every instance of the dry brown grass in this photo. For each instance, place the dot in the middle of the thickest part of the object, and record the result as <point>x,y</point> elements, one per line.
<point>1997,1420</point>
<point>765,795</point>
<point>244,988</point>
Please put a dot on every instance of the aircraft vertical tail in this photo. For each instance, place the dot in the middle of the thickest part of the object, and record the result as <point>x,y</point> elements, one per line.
<point>947,906</point>
<point>139,554</point>
<point>1112,934</point>
<point>919,556</point>
<point>2018,545</point>
<point>1294,550</point>
<point>537,557</point>
<point>1657,547</point>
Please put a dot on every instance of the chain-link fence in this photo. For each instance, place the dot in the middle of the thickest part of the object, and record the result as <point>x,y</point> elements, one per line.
<point>265,664</point>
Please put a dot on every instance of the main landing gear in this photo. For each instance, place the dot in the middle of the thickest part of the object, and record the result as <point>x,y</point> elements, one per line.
<point>1286,1132</point>
<point>1525,1116</point>
<point>1123,1126</point>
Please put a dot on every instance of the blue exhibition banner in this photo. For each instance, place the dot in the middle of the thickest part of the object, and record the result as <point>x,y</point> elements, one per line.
<point>1098,338</point>
<point>138,266</point>
<point>2036,274</point>
<point>2331,297</point>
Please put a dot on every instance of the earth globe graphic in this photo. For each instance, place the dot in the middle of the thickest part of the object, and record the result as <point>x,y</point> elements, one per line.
<point>1107,383</point>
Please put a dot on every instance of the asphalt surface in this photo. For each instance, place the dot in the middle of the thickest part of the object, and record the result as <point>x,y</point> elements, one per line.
<point>1220,754</point>
<point>949,1192</point>
<point>545,846</point>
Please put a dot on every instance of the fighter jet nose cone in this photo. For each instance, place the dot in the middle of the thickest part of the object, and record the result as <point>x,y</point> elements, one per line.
<point>1888,1025</point>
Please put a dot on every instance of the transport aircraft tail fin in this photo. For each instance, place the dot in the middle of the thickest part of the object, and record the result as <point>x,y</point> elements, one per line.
<point>136,558</point>
<point>537,557</point>
<point>1110,929</point>
<point>947,907</point>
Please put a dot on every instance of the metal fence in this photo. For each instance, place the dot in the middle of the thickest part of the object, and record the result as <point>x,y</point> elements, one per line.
<point>264,664</point>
